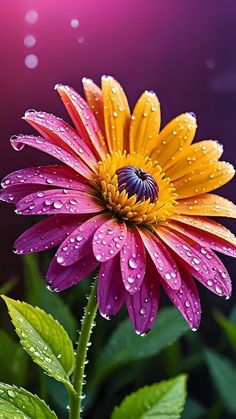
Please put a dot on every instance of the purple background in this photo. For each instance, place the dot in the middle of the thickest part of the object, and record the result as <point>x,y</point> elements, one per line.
<point>184,50</point>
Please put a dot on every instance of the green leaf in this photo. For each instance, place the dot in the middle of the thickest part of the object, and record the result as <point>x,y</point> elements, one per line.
<point>125,346</point>
<point>19,403</point>
<point>38,294</point>
<point>223,373</point>
<point>14,370</point>
<point>228,328</point>
<point>164,400</point>
<point>43,338</point>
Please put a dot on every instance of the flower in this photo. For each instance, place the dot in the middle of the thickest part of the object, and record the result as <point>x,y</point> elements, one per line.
<point>129,199</point>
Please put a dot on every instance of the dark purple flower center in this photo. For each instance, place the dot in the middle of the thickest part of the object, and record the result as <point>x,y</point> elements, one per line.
<point>137,182</point>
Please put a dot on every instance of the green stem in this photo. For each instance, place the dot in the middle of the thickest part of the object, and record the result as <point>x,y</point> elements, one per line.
<point>80,360</point>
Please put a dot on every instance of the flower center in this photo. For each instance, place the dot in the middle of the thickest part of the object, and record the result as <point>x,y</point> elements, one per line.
<point>137,182</point>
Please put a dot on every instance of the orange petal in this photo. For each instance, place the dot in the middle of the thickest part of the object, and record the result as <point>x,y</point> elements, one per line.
<point>145,123</point>
<point>84,120</point>
<point>201,153</point>
<point>94,98</point>
<point>204,179</point>
<point>173,140</point>
<point>207,225</point>
<point>207,205</point>
<point>116,115</point>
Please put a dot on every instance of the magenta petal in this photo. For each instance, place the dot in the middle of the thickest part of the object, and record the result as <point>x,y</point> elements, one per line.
<point>13,194</point>
<point>47,233</point>
<point>59,152</point>
<point>111,292</point>
<point>78,243</point>
<point>53,128</point>
<point>83,118</point>
<point>109,239</point>
<point>162,259</point>
<point>200,261</point>
<point>187,253</point>
<point>144,304</point>
<point>206,238</point>
<point>58,201</point>
<point>186,299</point>
<point>60,277</point>
<point>61,176</point>
<point>133,261</point>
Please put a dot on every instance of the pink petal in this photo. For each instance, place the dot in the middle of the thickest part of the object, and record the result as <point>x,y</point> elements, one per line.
<point>83,118</point>
<point>186,299</point>
<point>200,261</point>
<point>13,194</point>
<point>61,133</point>
<point>133,261</point>
<point>162,259</point>
<point>111,292</point>
<point>58,201</point>
<point>47,233</point>
<point>144,304</point>
<point>60,277</point>
<point>48,146</point>
<point>109,239</point>
<point>47,175</point>
<point>206,238</point>
<point>78,243</point>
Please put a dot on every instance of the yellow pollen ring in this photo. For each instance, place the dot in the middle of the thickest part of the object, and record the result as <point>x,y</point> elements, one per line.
<point>129,208</point>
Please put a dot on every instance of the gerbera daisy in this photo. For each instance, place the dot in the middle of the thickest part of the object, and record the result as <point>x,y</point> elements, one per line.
<point>128,199</point>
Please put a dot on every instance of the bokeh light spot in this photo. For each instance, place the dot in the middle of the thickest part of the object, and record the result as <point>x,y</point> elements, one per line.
<point>210,63</point>
<point>31,16</point>
<point>31,61</point>
<point>74,23</point>
<point>81,39</point>
<point>29,41</point>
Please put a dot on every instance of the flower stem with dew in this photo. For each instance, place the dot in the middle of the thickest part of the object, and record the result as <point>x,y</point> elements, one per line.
<point>80,360</point>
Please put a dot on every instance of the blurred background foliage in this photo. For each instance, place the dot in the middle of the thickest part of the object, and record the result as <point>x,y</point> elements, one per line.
<point>121,362</point>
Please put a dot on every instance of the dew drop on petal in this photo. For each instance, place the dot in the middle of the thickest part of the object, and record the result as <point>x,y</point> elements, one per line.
<point>133,263</point>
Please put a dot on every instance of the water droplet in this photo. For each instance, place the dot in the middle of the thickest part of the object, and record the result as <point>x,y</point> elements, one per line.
<point>133,263</point>
<point>130,280</point>
<point>60,259</point>
<point>10,393</point>
<point>57,205</point>
<point>142,311</point>
<point>218,289</point>
<point>187,303</point>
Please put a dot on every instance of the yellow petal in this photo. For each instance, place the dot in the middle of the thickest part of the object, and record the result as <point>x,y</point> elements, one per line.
<point>197,155</point>
<point>207,205</point>
<point>173,140</point>
<point>204,179</point>
<point>145,123</point>
<point>94,98</point>
<point>206,224</point>
<point>116,114</point>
